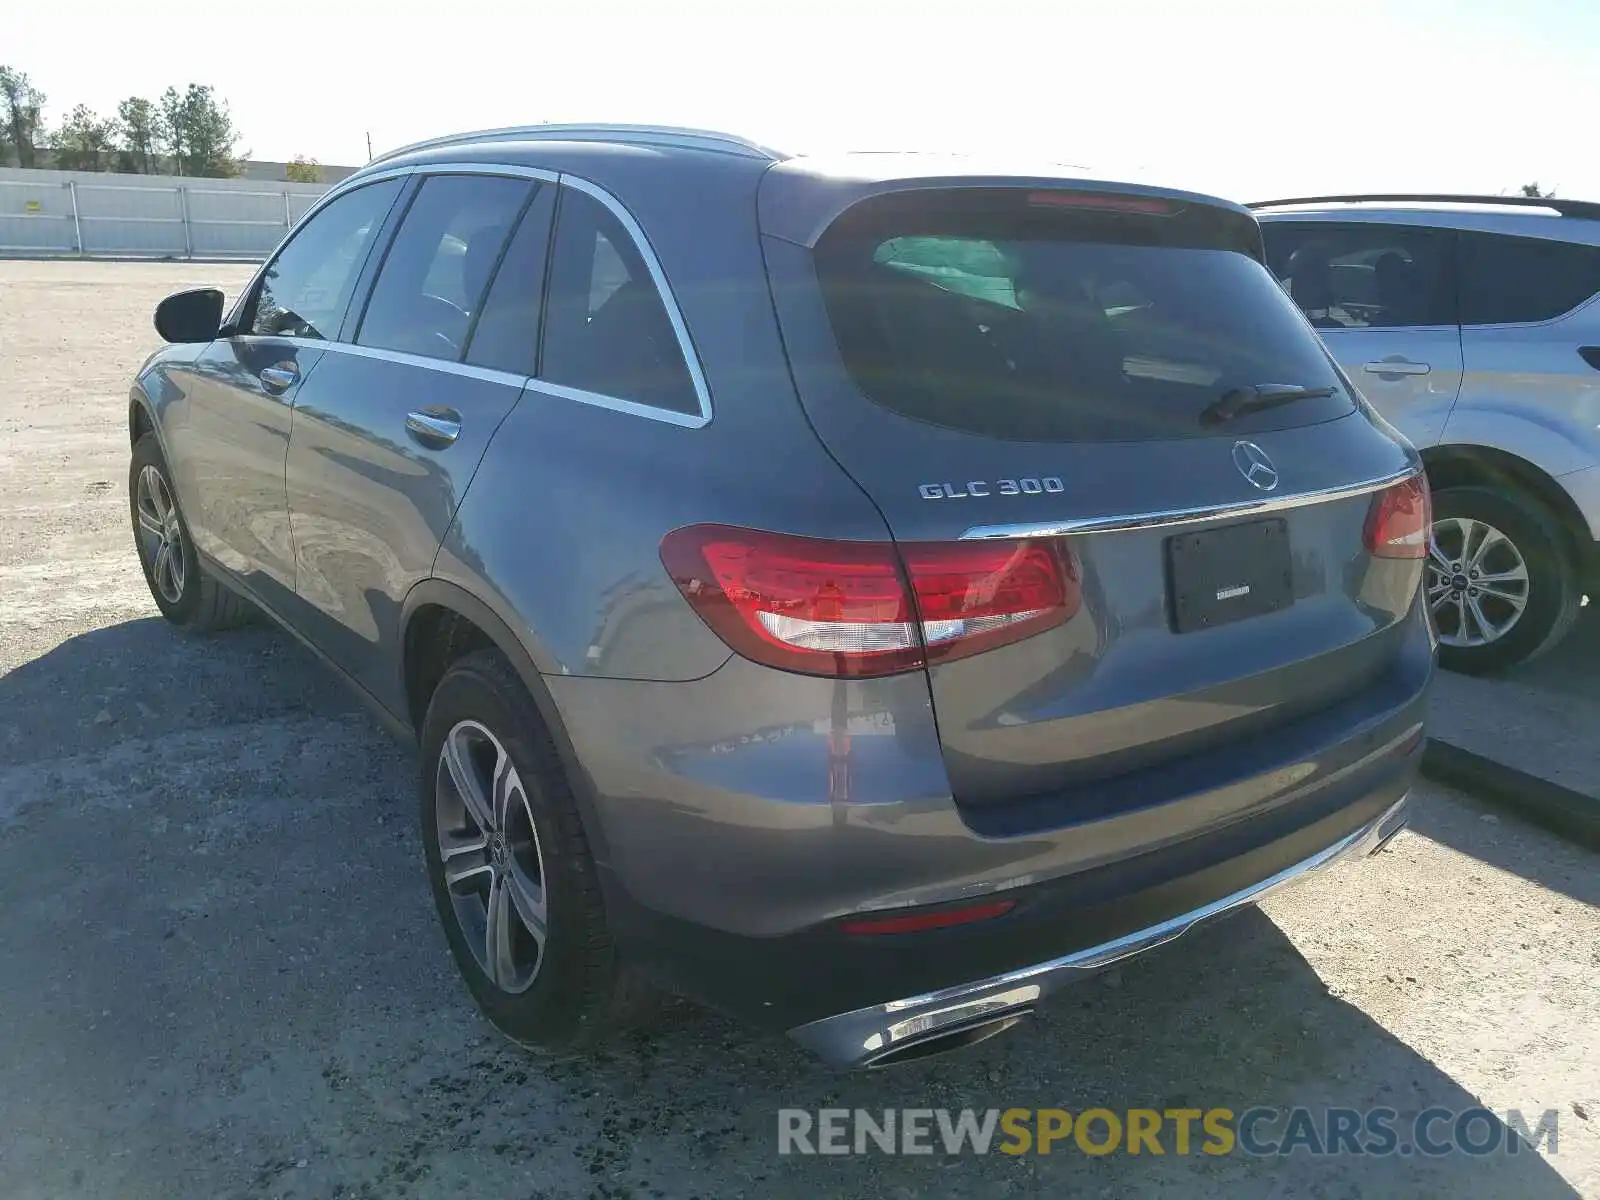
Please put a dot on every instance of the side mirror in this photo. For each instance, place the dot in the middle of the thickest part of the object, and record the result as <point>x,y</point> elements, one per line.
<point>193,316</point>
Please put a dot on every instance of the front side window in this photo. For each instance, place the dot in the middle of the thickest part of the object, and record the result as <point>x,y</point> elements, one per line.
<point>606,328</point>
<point>306,289</point>
<point>1368,276</point>
<point>997,313</point>
<point>438,270</point>
<point>1508,280</point>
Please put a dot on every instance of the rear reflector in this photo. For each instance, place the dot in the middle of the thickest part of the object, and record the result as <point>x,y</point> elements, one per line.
<point>917,922</point>
<point>1149,206</point>
<point>858,609</point>
<point>1400,520</point>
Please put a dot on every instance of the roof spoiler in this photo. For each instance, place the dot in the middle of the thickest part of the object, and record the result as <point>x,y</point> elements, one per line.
<point>1566,208</point>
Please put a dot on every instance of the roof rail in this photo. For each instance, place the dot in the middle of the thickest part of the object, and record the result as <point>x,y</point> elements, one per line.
<point>659,135</point>
<point>1566,208</point>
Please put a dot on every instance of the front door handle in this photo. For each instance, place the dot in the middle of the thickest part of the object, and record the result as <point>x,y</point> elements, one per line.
<point>280,377</point>
<point>1397,366</point>
<point>434,428</point>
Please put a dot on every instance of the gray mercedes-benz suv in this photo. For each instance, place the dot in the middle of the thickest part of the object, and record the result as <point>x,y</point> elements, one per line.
<point>862,594</point>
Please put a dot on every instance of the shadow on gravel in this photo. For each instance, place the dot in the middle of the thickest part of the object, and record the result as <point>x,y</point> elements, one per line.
<point>145,678</point>
<point>221,976</point>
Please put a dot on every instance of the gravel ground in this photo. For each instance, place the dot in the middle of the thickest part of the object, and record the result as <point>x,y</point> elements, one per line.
<point>220,973</point>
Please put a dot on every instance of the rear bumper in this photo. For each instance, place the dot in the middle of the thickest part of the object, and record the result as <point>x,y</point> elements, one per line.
<point>837,992</point>
<point>882,1033</point>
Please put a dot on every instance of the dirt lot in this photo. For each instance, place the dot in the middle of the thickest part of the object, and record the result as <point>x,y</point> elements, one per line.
<point>220,974</point>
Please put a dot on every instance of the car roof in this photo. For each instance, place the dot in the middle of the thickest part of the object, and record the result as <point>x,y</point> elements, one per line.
<point>802,194</point>
<point>1524,216</point>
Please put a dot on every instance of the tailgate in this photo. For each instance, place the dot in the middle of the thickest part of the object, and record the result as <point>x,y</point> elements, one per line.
<point>996,365</point>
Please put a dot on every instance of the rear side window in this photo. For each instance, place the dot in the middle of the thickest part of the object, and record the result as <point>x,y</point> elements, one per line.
<point>1366,276</point>
<point>438,269</point>
<point>607,331</point>
<point>1000,315</point>
<point>1506,280</point>
<point>506,337</point>
<point>306,289</point>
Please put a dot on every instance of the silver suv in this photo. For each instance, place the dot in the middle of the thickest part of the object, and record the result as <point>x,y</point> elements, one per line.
<point>863,594</point>
<point>1473,324</point>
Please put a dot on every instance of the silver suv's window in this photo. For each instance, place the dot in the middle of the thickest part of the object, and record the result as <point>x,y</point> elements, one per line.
<point>606,328</point>
<point>306,289</point>
<point>438,268</point>
<point>1364,276</point>
<point>985,312</point>
<point>1506,280</point>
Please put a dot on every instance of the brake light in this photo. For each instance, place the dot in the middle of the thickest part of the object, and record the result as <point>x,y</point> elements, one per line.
<point>858,609</point>
<point>1400,520</point>
<point>1149,206</point>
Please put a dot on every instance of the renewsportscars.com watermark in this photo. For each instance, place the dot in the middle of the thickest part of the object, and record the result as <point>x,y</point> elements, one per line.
<point>1260,1132</point>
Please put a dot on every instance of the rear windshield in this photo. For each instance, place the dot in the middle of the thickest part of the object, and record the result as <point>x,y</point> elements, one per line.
<point>996,312</point>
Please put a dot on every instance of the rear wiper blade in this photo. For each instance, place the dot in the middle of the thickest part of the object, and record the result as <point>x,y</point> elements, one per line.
<point>1237,401</point>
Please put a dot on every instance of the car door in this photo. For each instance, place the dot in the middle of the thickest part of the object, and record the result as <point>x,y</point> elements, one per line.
<point>1383,298</point>
<point>390,428</point>
<point>228,438</point>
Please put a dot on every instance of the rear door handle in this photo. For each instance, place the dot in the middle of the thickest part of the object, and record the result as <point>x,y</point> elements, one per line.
<point>1397,366</point>
<point>279,378</point>
<point>434,428</point>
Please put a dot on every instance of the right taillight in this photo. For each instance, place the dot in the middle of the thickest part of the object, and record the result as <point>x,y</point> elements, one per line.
<point>859,609</point>
<point>1400,520</point>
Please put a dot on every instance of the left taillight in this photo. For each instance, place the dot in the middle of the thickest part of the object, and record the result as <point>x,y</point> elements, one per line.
<point>1400,520</point>
<point>858,609</point>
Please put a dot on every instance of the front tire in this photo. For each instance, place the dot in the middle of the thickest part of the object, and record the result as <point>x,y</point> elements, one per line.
<point>1502,586</point>
<point>508,861</point>
<point>183,590</point>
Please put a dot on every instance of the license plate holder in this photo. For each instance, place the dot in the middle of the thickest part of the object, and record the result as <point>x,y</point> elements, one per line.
<point>1219,576</point>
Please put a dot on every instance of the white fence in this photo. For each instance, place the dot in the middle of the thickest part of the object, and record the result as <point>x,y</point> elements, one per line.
<point>83,214</point>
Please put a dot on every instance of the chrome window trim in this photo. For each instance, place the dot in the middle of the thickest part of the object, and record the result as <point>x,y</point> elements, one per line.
<point>1189,516</point>
<point>399,357</point>
<point>679,327</point>
<point>612,205</point>
<point>632,408</point>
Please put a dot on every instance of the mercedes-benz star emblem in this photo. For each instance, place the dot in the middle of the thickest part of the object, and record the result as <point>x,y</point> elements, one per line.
<point>1255,466</point>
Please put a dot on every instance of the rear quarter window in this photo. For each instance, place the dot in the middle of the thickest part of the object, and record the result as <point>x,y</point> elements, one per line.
<point>976,311</point>
<point>1510,280</point>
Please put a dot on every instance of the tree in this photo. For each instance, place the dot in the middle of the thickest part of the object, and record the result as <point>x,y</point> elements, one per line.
<point>197,131</point>
<point>84,141</point>
<point>303,170</point>
<point>136,130</point>
<point>1532,189</point>
<point>20,105</point>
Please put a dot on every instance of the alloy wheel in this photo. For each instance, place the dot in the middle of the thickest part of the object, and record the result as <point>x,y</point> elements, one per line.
<point>489,853</point>
<point>160,534</point>
<point>1477,582</point>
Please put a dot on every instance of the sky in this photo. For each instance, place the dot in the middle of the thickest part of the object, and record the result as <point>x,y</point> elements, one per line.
<point>1248,99</point>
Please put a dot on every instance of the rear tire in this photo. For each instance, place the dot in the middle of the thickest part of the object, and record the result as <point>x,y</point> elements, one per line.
<point>1525,595</point>
<point>185,592</point>
<point>569,993</point>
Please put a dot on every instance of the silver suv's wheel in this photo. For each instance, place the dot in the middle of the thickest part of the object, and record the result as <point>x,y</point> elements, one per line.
<point>1477,582</point>
<point>1501,586</point>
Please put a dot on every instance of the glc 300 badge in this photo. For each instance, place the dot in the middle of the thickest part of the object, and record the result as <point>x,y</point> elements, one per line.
<point>1044,485</point>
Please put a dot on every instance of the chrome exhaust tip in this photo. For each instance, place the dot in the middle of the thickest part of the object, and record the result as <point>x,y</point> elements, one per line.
<point>948,1041</point>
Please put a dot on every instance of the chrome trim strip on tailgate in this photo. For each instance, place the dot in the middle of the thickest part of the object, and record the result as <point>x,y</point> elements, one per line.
<point>1189,516</point>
